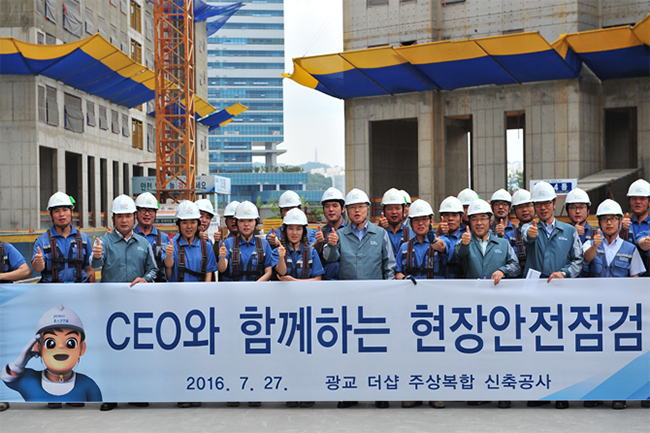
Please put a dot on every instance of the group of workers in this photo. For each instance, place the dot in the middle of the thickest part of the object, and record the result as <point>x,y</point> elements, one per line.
<point>474,239</point>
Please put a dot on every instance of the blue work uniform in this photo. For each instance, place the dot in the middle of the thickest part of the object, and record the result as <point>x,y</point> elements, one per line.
<point>497,256</point>
<point>66,250</point>
<point>452,266</point>
<point>30,386</point>
<point>508,232</point>
<point>158,241</point>
<point>295,263</point>
<point>124,261</point>
<point>615,260</point>
<point>331,268</point>
<point>10,259</point>
<point>559,251</point>
<point>364,254</point>
<point>193,257</point>
<point>311,234</point>
<point>248,264</point>
<point>403,234</point>
<point>421,262</point>
<point>639,230</point>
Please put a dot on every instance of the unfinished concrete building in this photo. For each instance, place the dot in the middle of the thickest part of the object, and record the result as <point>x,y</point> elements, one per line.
<point>56,137</point>
<point>434,143</point>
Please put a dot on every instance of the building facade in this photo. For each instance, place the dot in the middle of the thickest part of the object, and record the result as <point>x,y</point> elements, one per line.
<point>435,143</point>
<point>55,137</point>
<point>245,60</point>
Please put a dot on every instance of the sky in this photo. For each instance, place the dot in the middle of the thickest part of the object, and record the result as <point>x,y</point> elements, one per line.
<point>312,120</point>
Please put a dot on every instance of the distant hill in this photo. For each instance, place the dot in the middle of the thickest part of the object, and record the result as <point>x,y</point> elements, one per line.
<point>307,167</point>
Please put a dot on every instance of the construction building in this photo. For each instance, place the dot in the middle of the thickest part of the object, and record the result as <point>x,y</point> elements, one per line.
<point>433,119</point>
<point>55,137</point>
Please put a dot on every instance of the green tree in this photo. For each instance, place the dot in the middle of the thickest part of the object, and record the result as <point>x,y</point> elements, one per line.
<point>515,181</point>
<point>259,201</point>
<point>318,182</point>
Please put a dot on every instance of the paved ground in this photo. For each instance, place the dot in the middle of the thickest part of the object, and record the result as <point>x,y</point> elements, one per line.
<point>324,417</point>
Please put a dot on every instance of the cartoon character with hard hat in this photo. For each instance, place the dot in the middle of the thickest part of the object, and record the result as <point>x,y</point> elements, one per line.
<point>59,341</point>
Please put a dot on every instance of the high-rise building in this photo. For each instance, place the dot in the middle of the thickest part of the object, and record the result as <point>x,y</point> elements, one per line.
<point>245,60</point>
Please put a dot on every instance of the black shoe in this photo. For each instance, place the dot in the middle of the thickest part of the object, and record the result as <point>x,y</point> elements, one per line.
<point>644,403</point>
<point>618,404</point>
<point>437,404</point>
<point>410,404</point>
<point>54,405</point>
<point>592,403</point>
<point>346,404</point>
<point>382,404</point>
<point>306,403</point>
<point>292,404</point>
<point>232,404</point>
<point>537,403</point>
<point>561,404</point>
<point>4,406</point>
<point>76,404</point>
<point>477,403</point>
<point>254,404</point>
<point>195,404</point>
<point>107,406</point>
<point>141,404</point>
<point>184,405</point>
<point>505,404</point>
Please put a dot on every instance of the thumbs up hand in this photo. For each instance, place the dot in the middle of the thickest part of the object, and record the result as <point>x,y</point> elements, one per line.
<point>98,250</point>
<point>383,221</point>
<point>580,229</point>
<point>333,238</point>
<point>626,222</point>
<point>320,238</point>
<point>223,252</point>
<point>273,239</point>
<point>598,239</point>
<point>533,230</point>
<point>217,236</point>
<point>282,251</point>
<point>204,236</point>
<point>38,258</point>
<point>500,230</point>
<point>467,237</point>
<point>169,250</point>
<point>443,228</point>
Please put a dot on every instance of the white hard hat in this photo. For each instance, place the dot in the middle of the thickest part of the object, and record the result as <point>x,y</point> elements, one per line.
<point>542,191</point>
<point>332,194</point>
<point>451,204</point>
<point>609,207</point>
<point>356,196</point>
<point>246,211</point>
<point>123,204</point>
<point>147,200</point>
<point>521,196</point>
<point>188,211</point>
<point>295,217</point>
<point>466,196</point>
<point>59,199</point>
<point>59,317</point>
<point>205,205</point>
<point>479,206</point>
<point>406,195</point>
<point>640,188</point>
<point>501,195</point>
<point>289,199</point>
<point>230,209</point>
<point>420,208</point>
<point>393,196</point>
<point>577,195</point>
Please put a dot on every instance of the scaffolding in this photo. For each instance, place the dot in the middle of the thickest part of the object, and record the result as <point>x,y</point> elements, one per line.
<point>175,114</point>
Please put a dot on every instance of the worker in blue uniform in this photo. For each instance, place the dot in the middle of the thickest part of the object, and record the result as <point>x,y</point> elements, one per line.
<point>450,230</point>
<point>577,205</point>
<point>394,218</point>
<point>288,200</point>
<point>333,204</point>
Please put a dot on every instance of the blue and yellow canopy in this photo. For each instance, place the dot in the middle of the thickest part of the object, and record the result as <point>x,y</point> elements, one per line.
<point>447,65</point>
<point>92,65</point>
<point>223,117</point>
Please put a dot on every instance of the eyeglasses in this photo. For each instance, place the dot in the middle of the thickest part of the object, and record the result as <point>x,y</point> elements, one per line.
<point>500,204</point>
<point>481,219</point>
<point>354,207</point>
<point>544,204</point>
<point>145,210</point>
<point>577,207</point>
<point>611,219</point>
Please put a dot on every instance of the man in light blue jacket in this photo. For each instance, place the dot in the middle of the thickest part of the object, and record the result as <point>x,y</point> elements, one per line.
<point>364,250</point>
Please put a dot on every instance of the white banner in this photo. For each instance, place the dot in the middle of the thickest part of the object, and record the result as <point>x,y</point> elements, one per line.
<point>581,339</point>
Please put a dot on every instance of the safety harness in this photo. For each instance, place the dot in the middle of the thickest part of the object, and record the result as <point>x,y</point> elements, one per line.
<point>519,246</point>
<point>3,259</point>
<point>237,273</point>
<point>183,269</point>
<point>405,233</point>
<point>57,256</point>
<point>306,258</point>
<point>428,263</point>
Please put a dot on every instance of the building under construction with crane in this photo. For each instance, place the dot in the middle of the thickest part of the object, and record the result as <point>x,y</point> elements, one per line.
<point>82,118</point>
